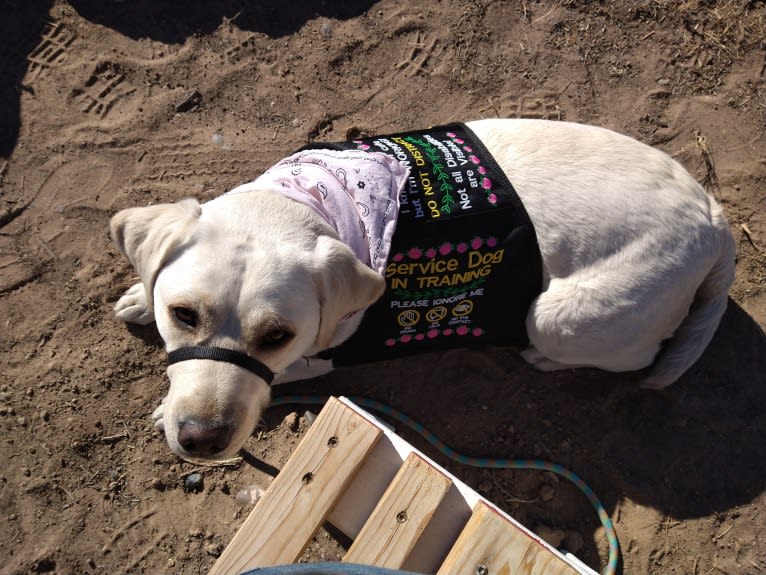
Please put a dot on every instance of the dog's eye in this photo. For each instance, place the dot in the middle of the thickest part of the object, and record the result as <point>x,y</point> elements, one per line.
<point>185,316</point>
<point>276,338</point>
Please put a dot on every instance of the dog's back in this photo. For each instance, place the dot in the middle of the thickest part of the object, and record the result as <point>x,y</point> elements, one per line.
<point>637,257</point>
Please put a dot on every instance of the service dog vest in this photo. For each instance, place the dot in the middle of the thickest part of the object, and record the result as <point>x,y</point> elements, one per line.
<point>464,264</point>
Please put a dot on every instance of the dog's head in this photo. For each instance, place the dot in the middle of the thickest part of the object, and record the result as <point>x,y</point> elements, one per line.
<point>255,273</point>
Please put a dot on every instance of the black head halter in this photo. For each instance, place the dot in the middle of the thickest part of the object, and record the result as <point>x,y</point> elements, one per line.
<point>223,354</point>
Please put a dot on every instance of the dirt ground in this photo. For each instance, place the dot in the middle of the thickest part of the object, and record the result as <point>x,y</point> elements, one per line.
<point>109,104</point>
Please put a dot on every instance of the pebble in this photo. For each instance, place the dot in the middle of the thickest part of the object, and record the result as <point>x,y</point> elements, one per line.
<point>553,535</point>
<point>325,28</point>
<point>547,492</point>
<point>485,486</point>
<point>291,421</point>
<point>214,549</point>
<point>249,495</point>
<point>573,541</point>
<point>194,483</point>
<point>156,483</point>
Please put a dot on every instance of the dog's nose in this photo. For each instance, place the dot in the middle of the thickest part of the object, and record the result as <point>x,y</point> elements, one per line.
<point>204,440</point>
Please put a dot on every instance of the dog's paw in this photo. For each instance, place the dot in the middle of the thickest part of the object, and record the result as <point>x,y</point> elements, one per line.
<point>532,355</point>
<point>158,416</point>
<point>132,306</point>
<point>654,382</point>
<point>535,357</point>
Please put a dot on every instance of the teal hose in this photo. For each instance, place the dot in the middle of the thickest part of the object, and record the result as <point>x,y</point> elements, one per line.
<point>611,534</point>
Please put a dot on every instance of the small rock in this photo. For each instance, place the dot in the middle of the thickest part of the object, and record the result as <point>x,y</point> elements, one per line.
<point>573,541</point>
<point>214,549</point>
<point>485,486</point>
<point>249,495</point>
<point>171,562</point>
<point>26,472</point>
<point>156,483</point>
<point>4,410</point>
<point>309,417</point>
<point>325,28</point>
<point>547,492</point>
<point>296,122</point>
<point>193,483</point>
<point>190,102</point>
<point>44,565</point>
<point>196,533</point>
<point>553,535</point>
<point>45,415</point>
<point>291,421</point>
<point>551,477</point>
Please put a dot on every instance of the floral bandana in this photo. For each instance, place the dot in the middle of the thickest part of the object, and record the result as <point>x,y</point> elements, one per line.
<point>356,192</point>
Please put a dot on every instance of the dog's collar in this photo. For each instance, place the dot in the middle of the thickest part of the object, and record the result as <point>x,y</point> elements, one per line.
<point>222,354</point>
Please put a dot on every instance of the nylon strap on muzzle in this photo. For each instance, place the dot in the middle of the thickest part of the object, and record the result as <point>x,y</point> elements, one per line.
<point>222,354</point>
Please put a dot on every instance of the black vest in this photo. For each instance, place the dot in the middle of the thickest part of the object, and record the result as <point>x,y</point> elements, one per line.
<point>464,265</point>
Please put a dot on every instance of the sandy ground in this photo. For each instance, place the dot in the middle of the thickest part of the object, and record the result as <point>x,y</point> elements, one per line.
<point>111,104</point>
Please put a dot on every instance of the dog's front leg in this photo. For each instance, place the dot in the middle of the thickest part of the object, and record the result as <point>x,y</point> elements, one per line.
<point>304,368</point>
<point>132,306</point>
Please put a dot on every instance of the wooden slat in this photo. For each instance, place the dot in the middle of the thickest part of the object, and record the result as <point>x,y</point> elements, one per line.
<point>401,515</point>
<point>489,540</point>
<point>297,502</point>
<point>540,561</point>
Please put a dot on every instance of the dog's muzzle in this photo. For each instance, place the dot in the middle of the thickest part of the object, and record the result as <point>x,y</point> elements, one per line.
<point>222,354</point>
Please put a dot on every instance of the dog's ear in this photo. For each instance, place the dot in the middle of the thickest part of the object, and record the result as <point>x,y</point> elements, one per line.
<point>345,285</point>
<point>148,236</point>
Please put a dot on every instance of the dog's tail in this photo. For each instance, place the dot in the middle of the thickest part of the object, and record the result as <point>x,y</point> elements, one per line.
<point>695,332</point>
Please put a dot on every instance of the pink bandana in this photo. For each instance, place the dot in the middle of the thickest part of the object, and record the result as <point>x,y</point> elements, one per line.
<point>356,192</point>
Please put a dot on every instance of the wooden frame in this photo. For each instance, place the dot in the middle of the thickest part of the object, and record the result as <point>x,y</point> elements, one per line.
<point>402,510</point>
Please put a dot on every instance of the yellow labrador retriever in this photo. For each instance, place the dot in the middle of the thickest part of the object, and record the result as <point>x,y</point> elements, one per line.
<point>628,264</point>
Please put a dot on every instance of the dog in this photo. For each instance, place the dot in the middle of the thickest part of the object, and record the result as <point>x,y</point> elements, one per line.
<point>634,258</point>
